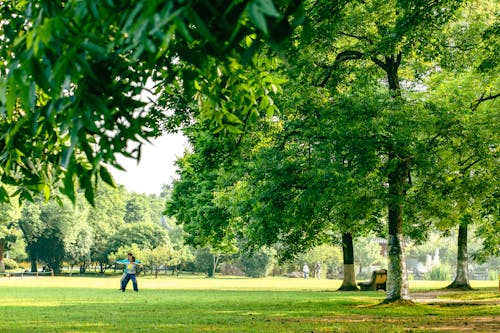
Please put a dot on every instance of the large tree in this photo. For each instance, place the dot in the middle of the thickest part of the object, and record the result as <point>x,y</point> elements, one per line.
<point>192,202</point>
<point>137,209</point>
<point>396,45</point>
<point>468,88</point>
<point>105,218</point>
<point>47,227</point>
<point>145,235</point>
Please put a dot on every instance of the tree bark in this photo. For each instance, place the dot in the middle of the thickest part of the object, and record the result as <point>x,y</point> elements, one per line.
<point>34,267</point>
<point>462,277</point>
<point>349,282</point>
<point>2,263</point>
<point>397,277</point>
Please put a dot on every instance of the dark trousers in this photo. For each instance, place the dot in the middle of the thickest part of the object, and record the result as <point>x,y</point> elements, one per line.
<point>127,278</point>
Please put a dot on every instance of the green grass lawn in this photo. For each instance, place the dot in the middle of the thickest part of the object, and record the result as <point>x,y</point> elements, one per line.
<point>196,304</point>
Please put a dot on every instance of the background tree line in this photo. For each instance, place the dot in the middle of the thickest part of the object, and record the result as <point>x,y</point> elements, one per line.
<point>48,234</point>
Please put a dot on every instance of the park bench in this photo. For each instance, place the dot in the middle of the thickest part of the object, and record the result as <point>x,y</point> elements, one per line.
<point>377,281</point>
<point>23,274</point>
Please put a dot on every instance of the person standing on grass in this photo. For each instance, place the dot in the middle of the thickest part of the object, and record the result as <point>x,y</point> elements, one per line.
<point>317,270</point>
<point>305,270</point>
<point>131,271</point>
<point>124,262</point>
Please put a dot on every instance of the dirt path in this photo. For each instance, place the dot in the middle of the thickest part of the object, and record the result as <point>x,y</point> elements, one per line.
<point>443,296</point>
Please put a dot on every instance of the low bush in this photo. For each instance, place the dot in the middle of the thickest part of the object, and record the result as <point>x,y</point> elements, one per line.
<point>439,273</point>
<point>10,263</point>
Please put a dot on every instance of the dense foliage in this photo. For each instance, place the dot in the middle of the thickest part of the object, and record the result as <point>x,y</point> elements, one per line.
<point>73,74</point>
<point>387,124</point>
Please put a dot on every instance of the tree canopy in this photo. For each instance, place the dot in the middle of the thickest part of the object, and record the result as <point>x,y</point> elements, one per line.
<point>73,73</point>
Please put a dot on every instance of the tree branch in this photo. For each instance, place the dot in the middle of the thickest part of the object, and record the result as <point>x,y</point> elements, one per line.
<point>379,63</point>
<point>348,55</point>
<point>341,57</point>
<point>482,99</point>
<point>470,165</point>
<point>398,60</point>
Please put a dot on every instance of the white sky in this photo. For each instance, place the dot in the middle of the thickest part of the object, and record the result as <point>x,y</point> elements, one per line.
<point>156,166</point>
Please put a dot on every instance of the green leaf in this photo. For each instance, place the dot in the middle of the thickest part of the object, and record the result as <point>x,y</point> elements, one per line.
<point>233,129</point>
<point>167,38</point>
<point>106,176</point>
<point>39,75</point>
<point>89,193</point>
<point>3,91</point>
<point>4,195</point>
<point>46,191</point>
<point>183,30</point>
<point>218,129</point>
<point>267,8</point>
<point>232,118</point>
<point>258,10</point>
<point>25,195</point>
<point>69,185</point>
<point>257,17</point>
<point>264,103</point>
<point>11,97</point>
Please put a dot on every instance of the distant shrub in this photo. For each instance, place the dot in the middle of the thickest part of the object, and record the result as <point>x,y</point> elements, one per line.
<point>10,263</point>
<point>256,264</point>
<point>439,273</point>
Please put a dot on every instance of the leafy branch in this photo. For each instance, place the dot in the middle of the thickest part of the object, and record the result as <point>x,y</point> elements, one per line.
<point>482,99</point>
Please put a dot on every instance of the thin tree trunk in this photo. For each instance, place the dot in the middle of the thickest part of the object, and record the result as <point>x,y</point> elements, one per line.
<point>462,278</point>
<point>214,265</point>
<point>397,277</point>
<point>349,282</point>
<point>399,169</point>
<point>2,263</point>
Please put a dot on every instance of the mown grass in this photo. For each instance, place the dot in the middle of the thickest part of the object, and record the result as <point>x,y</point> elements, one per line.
<point>82,304</point>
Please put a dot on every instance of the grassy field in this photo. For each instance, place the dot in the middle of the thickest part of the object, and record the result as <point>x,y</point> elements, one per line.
<point>196,304</point>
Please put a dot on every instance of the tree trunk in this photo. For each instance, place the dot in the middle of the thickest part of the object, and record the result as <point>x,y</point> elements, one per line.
<point>397,277</point>
<point>83,267</point>
<point>34,267</point>
<point>462,278</point>
<point>214,265</point>
<point>349,282</point>
<point>2,263</point>
<point>392,65</point>
<point>399,169</point>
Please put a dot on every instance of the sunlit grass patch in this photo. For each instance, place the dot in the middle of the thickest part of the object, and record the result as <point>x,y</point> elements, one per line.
<point>197,304</point>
